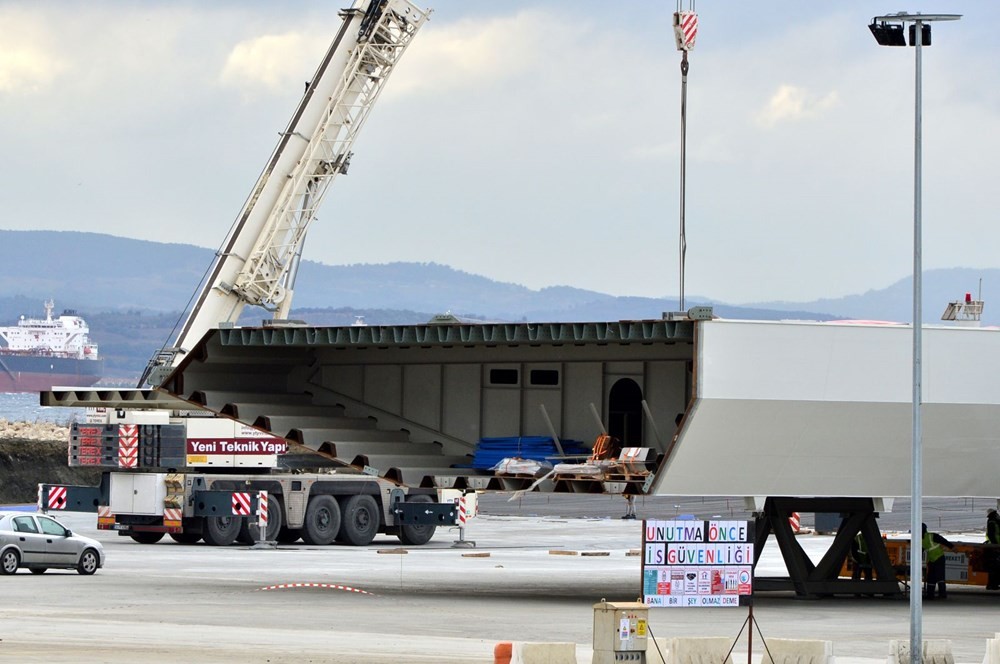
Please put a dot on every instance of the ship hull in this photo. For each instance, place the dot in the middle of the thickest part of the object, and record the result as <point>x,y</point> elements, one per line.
<point>33,373</point>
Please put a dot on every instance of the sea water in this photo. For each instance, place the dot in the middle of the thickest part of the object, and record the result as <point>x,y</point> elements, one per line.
<point>24,407</point>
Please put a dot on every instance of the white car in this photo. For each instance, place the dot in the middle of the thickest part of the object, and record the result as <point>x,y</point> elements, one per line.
<point>39,542</point>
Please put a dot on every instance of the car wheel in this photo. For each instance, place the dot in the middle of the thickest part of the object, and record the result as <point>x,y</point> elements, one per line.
<point>221,530</point>
<point>89,562</point>
<point>38,570</point>
<point>9,561</point>
<point>416,535</point>
<point>361,520</point>
<point>322,521</point>
<point>146,538</point>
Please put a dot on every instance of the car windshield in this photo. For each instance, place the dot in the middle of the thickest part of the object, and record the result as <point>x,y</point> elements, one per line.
<point>50,527</point>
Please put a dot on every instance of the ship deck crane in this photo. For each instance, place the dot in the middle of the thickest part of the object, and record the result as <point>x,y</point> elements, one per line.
<point>257,263</point>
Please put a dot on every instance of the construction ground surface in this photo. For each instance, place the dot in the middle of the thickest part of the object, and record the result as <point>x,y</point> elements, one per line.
<point>525,580</point>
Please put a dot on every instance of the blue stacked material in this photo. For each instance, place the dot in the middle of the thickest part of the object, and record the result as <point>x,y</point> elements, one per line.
<point>490,451</point>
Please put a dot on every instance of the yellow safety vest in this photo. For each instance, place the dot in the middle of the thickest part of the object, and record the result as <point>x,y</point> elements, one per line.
<point>933,549</point>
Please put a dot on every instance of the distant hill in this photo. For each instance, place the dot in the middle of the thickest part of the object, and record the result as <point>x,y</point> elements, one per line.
<point>133,293</point>
<point>92,272</point>
<point>895,302</point>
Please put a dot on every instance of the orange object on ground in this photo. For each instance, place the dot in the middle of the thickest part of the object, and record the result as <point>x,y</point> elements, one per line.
<point>503,652</point>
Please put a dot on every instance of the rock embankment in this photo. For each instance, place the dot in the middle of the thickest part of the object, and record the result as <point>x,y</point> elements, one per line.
<point>33,453</point>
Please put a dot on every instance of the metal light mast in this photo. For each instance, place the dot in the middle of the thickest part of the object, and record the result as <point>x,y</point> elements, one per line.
<point>685,32</point>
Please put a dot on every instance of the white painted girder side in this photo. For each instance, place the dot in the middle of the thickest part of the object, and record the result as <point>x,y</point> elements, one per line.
<point>810,448</point>
<point>812,409</point>
<point>843,362</point>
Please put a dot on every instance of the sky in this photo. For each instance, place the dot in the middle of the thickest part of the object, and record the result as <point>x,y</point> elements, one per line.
<point>531,142</point>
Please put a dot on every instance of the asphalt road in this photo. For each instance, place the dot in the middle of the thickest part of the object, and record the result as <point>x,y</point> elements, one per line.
<point>168,602</point>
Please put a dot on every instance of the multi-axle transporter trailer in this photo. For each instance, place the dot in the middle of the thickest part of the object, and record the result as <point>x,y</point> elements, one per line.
<point>320,508</point>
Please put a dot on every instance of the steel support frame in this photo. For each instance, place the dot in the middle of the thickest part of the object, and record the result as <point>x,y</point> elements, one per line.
<point>823,578</point>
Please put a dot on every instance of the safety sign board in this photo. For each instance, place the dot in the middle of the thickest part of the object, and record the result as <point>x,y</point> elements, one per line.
<point>697,563</point>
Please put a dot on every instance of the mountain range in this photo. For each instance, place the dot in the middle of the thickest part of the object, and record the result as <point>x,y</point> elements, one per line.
<point>132,292</point>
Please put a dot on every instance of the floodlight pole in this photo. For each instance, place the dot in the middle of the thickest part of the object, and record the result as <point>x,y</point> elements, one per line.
<point>916,480</point>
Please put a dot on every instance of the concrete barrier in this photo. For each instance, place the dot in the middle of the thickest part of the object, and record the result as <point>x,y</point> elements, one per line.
<point>936,651</point>
<point>796,651</point>
<point>543,653</point>
<point>992,655</point>
<point>692,650</point>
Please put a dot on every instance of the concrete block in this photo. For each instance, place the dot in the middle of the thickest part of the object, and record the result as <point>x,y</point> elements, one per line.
<point>690,650</point>
<point>796,651</point>
<point>992,655</point>
<point>936,651</point>
<point>543,653</point>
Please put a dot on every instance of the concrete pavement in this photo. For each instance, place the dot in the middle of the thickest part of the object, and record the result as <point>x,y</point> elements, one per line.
<point>168,602</point>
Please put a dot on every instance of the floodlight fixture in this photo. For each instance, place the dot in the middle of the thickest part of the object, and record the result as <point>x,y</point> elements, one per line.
<point>888,34</point>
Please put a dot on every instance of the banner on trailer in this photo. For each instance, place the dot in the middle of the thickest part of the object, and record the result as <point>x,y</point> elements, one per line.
<point>697,563</point>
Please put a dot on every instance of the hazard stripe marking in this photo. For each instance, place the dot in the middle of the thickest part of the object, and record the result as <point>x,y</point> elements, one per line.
<point>328,586</point>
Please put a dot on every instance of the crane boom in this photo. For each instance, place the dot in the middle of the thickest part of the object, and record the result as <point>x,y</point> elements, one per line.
<point>257,262</point>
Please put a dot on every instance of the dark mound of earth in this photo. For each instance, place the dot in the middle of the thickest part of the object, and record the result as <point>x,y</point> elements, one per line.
<point>25,463</point>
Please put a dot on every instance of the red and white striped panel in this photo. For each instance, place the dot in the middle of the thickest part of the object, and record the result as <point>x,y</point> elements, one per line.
<point>262,509</point>
<point>104,511</point>
<point>128,446</point>
<point>463,514</point>
<point>685,30</point>
<point>172,514</point>
<point>795,522</point>
<point>57,498</point>
<point>241,503</point>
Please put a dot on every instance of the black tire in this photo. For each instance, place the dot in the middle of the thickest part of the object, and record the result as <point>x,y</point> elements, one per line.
<point>288,535</point>
<point>361,520</point>
<point>221,530</point>
<point>38,570</point>
<point>146,538</point>
<point>418,534</point>
<point>322,520</point>
<point>250,532</point>
<point>89,562</point>
<point>186,538</point>
<point>10,560</point>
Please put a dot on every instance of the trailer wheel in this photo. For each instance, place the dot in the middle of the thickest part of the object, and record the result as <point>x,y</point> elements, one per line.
<point>221,530</point>
<point>288,535</point>
<point>185,538</point>
<point>322,521</point>
<point>417,534</point>
<point>146,538</point>
<point>249,532</point>
<point>361,521</point>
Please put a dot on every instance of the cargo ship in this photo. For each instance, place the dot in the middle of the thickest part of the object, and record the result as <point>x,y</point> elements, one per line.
<point>40,353</point>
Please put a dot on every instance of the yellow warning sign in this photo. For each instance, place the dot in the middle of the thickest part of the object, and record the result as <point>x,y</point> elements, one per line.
<point>640,629</point>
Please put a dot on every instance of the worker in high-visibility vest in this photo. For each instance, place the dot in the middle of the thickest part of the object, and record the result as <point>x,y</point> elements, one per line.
<point>933,546</point>
<point>861,561</point>
<point>993,552</point>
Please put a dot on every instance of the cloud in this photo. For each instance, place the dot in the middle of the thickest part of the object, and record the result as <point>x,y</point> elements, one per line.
<point>26,64</point>
<point>793,104</point>
<point>267,63</point>
<point>470,54</point>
